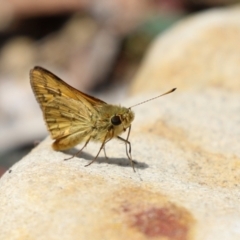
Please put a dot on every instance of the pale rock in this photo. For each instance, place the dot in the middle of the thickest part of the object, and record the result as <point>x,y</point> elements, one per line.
<point>199,52</point>
<point>187,180</point>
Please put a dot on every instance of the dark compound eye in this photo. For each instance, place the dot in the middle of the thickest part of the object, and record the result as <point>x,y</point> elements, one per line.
<point>115,120</point>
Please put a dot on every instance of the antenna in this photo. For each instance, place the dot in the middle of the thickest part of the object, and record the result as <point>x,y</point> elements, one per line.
<point>170,91</point>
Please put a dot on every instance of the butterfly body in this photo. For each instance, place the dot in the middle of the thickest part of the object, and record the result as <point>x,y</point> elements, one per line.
<point>70,128</point>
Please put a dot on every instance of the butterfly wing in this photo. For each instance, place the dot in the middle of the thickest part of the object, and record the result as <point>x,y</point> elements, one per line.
<point>47,85</point>
<point>68,121</point>
<point>67,111</point>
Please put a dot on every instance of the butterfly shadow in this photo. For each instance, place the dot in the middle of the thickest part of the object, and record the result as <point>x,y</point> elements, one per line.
<point>124,162</point>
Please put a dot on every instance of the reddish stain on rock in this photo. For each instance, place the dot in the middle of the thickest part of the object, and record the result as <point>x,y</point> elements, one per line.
<point>161,222</point>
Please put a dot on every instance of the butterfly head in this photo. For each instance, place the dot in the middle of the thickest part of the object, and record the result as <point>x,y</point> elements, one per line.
<point>123,118</point>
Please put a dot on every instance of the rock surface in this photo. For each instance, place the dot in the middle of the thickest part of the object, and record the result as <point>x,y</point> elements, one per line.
<point>187,183</point>
<point>199,52</point>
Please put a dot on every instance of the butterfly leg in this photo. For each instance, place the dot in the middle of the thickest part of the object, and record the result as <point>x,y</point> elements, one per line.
<point>127,142</point>
<point>112,132</point>
<point>129,130</point>
<point>105,151</point>
<point>78,152</point>
<point>128,152</point>
<point>105,140</point>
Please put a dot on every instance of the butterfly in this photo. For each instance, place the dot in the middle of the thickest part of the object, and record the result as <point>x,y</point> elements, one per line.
<point>74,117</point>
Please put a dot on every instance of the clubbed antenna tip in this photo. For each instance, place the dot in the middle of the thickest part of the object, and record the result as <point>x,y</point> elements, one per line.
<point>170,91</point>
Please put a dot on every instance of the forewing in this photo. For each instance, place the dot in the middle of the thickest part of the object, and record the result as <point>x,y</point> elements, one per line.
<point>47,86</point>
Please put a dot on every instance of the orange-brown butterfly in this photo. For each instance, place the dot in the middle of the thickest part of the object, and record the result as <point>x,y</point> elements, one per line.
<point>73,117</point>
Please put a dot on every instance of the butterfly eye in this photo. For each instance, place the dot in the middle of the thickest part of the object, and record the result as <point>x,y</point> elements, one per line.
<point>115,120</point>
